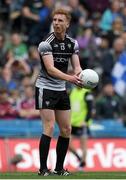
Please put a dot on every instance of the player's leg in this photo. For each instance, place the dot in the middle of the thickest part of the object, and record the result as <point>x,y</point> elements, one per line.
<point>79,133</point>
<point>48,121</point>
<point>63,120</point>
<point>73,149</point>
<point>83,146</point>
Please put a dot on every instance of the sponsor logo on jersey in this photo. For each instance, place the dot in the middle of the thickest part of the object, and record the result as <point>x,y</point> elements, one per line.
<point>61,60</point>
<point>55,45</point>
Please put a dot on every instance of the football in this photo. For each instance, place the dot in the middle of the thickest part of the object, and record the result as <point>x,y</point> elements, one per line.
<point>90,78</point>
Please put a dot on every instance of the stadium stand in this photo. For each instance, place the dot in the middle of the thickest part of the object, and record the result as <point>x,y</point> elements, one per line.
<point>109,128</point>
<point>22,128</point>
<point>32,129</point>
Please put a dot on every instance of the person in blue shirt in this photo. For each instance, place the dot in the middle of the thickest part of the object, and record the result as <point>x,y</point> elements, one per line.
<point>110,15</point>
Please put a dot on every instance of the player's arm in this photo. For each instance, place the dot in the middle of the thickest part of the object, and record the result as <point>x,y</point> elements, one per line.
<point>45,51</point>
<point>49,64</point>
<point>89,98</point>
<point>76,64</point>
<point>75,59</point>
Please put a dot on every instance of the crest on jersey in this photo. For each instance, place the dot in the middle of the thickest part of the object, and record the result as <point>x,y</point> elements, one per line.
<point>62,46</point>
<point>47,103</point>
<point>69,46</point>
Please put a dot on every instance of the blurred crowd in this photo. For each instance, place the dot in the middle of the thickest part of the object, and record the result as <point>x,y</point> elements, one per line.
<point>100,29</point>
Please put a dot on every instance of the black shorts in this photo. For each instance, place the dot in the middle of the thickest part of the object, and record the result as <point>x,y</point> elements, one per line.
<point>79,131</point>
<point>50,99</point>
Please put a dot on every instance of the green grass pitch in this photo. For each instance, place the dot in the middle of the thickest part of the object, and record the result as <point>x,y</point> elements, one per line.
<point>75,175</point>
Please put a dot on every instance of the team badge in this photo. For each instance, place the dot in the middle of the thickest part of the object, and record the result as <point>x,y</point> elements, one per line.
<point>69,46</point>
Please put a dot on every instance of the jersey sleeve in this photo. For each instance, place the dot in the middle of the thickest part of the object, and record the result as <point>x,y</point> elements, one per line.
<point>89,100</point>
<point>44,48</point>
<point>76,47</point>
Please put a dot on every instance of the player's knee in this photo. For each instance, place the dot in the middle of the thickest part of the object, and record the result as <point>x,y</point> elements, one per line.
<point>66,131</point>
<point>49,129</point>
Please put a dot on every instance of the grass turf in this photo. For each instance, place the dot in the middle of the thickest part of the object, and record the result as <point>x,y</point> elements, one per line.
<point>75,175</point>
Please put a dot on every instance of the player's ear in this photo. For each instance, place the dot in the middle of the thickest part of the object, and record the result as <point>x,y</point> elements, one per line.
<point>68,24</point>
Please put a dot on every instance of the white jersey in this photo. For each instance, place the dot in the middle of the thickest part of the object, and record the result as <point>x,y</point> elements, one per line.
<point>62,51</point>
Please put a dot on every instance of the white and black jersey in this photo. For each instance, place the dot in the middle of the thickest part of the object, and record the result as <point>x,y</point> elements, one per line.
<point>62,51</point>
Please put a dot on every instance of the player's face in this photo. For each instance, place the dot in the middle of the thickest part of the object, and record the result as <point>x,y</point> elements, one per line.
<point>60,23</point>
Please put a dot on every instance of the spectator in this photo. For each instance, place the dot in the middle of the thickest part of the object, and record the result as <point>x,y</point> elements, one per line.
<point>110,58</point>
<point>7,111</point>
<point>39,20</point>
<point>123,36</point>
<point>102,48</point>
<point>123,15</point>
<point>15,17</point>
<point>3,50</point>
<point>108,104</point>
<point>87,45</point>
<point>30,17</point>
<point>19,68</point>
<point>15,98</point>
<point>4,14</point>
<point>94,6</point>
<point>109,15</point>
<point>118,75</point>
<point>78,14</point>
<point>81,113</point>
<point>6,79</point>
<point>27,104</point>
<point>45,17</point>
<point>95,24</point>
<point>116,31</point>
<point>18,47</point>
<point>33,62</point>
<point>25,82</point>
